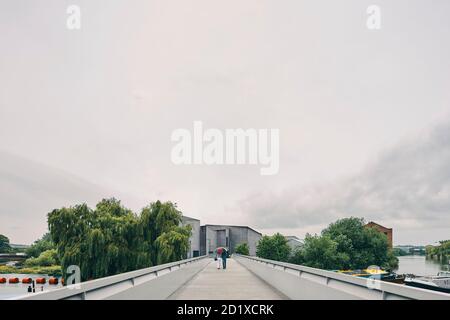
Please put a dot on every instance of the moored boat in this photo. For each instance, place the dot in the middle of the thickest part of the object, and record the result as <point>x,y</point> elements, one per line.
<point>375,273</point>
<point>440,282</point>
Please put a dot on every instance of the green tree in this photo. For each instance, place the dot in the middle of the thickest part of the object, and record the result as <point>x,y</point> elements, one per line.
<point>165,239</point>
<point>112,239</point>
<point>364,246</point>
<point>346,244</point>
<point>242,248</point>
<point>43,244</point>
<point>399,252</point>
<point>173,244</point>
<point>4,244</point>
<point>320,252</point>
<point>441,251</point>
<point>273,248</point>
<point>46,259</point>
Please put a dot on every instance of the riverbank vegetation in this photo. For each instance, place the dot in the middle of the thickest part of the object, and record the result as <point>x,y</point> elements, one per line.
<point>399,252</point>
<point>104,241</point>
<point>4,244</point>
<point>440,252</point>
<point>45,259</point>
<point>42,258</point>
<point>49,270</point>
<point>344,244</point>
<point>43,244</point>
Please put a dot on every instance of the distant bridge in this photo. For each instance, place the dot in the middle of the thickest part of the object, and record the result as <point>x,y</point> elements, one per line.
<point>245,278</point>
<point>13,256</point>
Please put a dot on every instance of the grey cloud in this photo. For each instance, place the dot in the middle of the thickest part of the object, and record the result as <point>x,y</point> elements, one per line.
<point>102,102</point>
<point>29,190</point>
<point>407,184</point>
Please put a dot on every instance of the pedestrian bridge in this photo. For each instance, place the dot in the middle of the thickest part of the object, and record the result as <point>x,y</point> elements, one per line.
<point>248,278</point>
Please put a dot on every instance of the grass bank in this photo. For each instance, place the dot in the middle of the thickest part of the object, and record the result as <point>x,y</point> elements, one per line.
<point>51,270</point>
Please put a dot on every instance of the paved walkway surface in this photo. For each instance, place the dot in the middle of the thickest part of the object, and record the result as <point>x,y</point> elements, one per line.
<point>235,282</point>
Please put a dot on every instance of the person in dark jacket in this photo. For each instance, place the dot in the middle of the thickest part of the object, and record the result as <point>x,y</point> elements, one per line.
<point>224,258</point>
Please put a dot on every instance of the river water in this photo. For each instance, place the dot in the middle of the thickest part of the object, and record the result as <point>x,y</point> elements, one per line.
<point>10,290</point>
<point>420,266</point>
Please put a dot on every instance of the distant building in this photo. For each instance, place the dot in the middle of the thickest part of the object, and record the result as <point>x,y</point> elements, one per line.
<point>379,227</point>
<point>194,240</point>
<point>411,249</point>
<point>405,248</point>
<point>294,242</point>
<point>213,236</point>
<point>19,246</point>
<point>205,239</point>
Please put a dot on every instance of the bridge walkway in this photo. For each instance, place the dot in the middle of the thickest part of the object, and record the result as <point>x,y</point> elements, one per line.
<point>234,283</point>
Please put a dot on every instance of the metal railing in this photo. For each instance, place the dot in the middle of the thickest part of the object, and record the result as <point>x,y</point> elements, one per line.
<point>293,281</point>
<point>300,282</point>
<point>148,283</point>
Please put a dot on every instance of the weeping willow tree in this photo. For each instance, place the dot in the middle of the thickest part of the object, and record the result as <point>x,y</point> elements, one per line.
<point>173,245</point>
<point>112,239</point>
<point>165,239</point>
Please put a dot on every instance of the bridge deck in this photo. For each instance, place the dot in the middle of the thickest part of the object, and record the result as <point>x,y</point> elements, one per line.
<point>235,282</point>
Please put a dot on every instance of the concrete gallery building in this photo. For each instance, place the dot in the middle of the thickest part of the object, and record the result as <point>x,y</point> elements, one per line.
<point>194,240</point>
<point>294,242</point>
<point>205,239</point>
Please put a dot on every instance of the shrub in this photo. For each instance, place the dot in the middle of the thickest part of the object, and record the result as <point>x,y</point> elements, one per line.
<point>242,248</point>
<point>45,259</point>
<point>273,248</point>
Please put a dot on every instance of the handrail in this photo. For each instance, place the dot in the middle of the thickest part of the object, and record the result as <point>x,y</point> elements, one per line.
<point>121,282</point>
<point>345,283</point>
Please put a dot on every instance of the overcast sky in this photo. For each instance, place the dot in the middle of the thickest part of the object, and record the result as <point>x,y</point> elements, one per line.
<point>364,115</point>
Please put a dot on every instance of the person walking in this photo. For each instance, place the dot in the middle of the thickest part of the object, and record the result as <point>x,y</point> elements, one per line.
<point>224,258</point>
<point>218,257</point>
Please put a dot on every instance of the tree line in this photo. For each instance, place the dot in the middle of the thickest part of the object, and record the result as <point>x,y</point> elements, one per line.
<point>4,244</point>
<point>344,244</point>
<point>440,252</point>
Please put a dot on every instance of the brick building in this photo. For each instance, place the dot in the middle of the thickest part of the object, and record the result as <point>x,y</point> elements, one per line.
<point>379,227</point>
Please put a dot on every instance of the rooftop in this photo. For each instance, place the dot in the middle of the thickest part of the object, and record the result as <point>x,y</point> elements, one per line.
<point>294,238</point>
<point>371,223</point>
<point>189,218</point>
<point>235,226</point>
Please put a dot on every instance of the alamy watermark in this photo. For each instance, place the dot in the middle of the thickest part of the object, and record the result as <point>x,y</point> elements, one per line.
<point>374,280</point>
<point>73,21</point>
<point>74,277</point>
<point>374,17</point>
<point>227,147</point>
<point>373,21</point>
